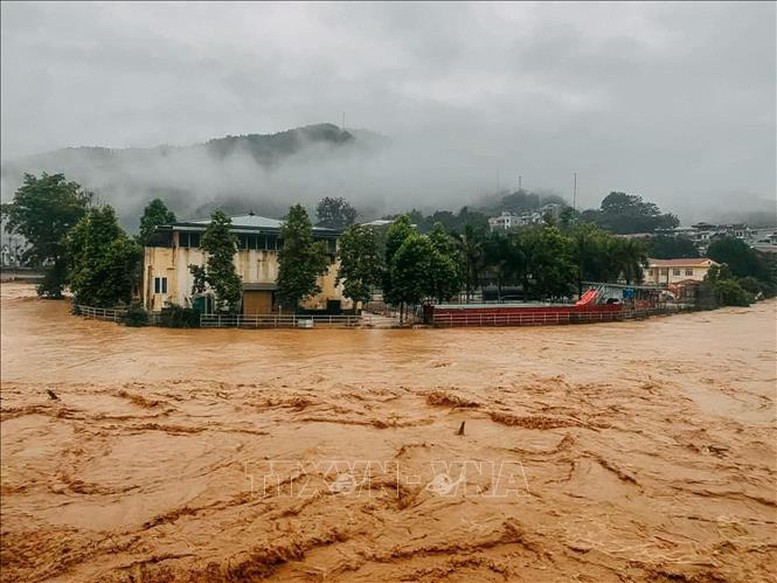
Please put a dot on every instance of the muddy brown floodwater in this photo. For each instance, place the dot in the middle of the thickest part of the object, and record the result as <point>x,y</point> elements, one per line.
<point>639,451</point>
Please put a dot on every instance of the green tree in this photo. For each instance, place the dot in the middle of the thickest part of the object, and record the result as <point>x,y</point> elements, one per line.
<point>155,213</point>
<point>360,263</point>
<point>301,260</point>
<point>43,211</point>
<point>671,247</point>
<point>504,258</point>
<point>741,259</point>
<point>219,245</point>
<point>410,268</point>
<point>627,213</point>
<point>335,213</point>
<point>397,233</point>
<point>550,266</point>
<point>445,277</point>
<point>470,243</point>
<point>103,259</point>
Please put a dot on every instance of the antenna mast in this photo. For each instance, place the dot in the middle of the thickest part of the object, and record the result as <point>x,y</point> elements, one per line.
<point>574,194</point>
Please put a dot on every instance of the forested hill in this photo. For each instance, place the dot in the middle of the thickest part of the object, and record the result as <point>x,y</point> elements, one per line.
<point>257,170</point>
<point>265,149</point>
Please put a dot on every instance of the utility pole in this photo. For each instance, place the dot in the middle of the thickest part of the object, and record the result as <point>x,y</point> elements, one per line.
<point>343,121</point>
<point>574,194</point>
<point>519,183</point>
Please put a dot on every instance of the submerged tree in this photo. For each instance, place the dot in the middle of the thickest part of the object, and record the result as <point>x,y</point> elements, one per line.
<point>301,260</point>
<point>43,211</point>
<point>219,245</point>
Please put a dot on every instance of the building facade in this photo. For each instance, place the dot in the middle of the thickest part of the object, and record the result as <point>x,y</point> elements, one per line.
<point>172,248</point>
<point>671,271</point>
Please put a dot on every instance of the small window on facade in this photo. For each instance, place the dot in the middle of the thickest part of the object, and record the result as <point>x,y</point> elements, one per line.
<point>689,272</point>
<point>160,285</point>
<point>665,272</point>
<point>676,272</point>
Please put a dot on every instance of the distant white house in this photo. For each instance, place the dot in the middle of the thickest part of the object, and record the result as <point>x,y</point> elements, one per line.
<point>507,221</point>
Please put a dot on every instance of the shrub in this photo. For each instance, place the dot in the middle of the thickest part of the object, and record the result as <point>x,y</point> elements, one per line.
<point>135,316</point>
<point>175,316</point>
<point>730,293</point>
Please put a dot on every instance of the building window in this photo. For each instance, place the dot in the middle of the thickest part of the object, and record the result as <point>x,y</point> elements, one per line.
<point>689,272</point>
<point>665,272</point>
<point>676,272</point>
<point>190,240</point>
<point>160,285</point>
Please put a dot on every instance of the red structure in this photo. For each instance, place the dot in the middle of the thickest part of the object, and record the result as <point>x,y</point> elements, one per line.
<point>603,303</point>
<point>519,315</point>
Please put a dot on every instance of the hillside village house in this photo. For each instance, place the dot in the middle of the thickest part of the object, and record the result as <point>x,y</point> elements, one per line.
<point>670,271</point>
<point>172,248</point>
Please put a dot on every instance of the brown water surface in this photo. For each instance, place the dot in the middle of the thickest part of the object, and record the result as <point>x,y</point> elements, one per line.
<point>610,452</point>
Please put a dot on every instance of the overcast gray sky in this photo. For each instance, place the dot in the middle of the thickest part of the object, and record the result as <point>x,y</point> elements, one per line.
<point>673,101</point>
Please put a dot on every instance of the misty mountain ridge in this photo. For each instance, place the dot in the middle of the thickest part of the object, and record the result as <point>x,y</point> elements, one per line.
<point>266,173</point>
<point>251,171</point>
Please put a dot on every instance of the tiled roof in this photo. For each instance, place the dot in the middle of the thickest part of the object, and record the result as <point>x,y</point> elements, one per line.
<point>686,262</point>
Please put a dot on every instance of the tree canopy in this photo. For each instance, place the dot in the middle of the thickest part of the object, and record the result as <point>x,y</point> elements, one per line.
<point>335,213</point>
<point>104,260</point>
<point>43,211</point>
<point>301,260</point>
<point>627,213</point>
<point>219,245</point>
<point>360,263</point>
<point>155,213</point>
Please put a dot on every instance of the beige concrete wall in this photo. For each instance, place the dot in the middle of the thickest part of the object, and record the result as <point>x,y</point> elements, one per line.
<point>655,276</point>
<point>253,266</point>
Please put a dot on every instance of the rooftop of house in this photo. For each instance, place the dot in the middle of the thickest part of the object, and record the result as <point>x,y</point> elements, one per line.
<point>249,223</point>
<point>685,262</point>
<point>249,220</point>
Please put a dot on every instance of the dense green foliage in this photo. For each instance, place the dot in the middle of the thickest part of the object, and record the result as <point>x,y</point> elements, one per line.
<point>136,316</point>
<point>361,265</point>
<point>155,213</point>
<point>301,260</point>
<point>671,247</point>
<point>446,275</point>
<point>219,245</point>
<point>452,222</point>
<point>544,261</point>
<point>726,287</point>
<point>43,211</point>
<point>175,316</point>
<point>627,213</point>
<point>103,260</point>
<point>335,213</point>
<point>755,272</point>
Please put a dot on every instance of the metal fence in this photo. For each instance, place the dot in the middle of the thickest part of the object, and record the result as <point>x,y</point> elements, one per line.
<point>276,321</point>
<point>106,314</point>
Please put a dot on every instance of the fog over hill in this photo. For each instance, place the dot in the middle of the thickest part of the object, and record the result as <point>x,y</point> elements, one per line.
<point>267,173</point>
<point>674,102</point>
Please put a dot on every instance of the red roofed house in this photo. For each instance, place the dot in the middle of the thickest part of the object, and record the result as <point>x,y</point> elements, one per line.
<point>668,271</point>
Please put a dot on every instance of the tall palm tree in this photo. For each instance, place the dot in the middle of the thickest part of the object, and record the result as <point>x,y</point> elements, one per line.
<point>470,244</point>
